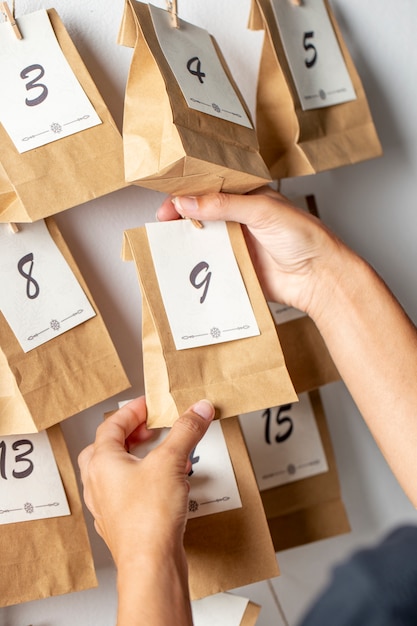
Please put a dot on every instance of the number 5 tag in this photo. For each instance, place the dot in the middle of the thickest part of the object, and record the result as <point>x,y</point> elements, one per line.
<point>316,62</point>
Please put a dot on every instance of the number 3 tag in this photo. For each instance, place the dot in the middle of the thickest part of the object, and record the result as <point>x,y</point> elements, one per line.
<point>42,100</point>
<point>318,69</point>
<point>201,286</point>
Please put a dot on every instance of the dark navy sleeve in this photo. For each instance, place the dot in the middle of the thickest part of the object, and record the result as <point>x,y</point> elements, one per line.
<point>376,587</point>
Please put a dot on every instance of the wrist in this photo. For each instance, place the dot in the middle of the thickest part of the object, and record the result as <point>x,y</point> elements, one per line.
<point>153,586</point>
<point>336,282</point>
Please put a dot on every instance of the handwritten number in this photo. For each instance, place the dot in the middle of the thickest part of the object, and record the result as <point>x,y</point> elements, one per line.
<point>205,282</point>
<point>309,46</point>
<point>19,458</point>
<point>3,460</point>
<point>195,61</point>
<point>34,292</point>
<point>193,459</point>
<point>280,420</point>
<point>32,84</point>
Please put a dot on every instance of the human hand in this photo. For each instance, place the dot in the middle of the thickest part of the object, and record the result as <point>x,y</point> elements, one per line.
<point>139,505</point>
<point>289,247</point>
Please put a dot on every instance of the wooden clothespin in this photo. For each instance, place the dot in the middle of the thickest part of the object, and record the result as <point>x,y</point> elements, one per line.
<point>13,227</point>
<point>9,15</point>
<point>173,9</point>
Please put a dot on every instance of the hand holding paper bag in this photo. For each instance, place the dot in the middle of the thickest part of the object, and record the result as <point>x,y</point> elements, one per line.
<point>237,376</point>
<point>147,502</point>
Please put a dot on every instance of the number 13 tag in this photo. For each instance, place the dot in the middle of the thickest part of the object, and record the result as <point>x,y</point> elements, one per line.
<point>313,53</point>
<point>41,98</point>
<point>201,286</point>
<point>30,484</point>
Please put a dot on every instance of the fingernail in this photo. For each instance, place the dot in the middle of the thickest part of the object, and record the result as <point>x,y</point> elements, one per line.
<point>204,409</point>
<point>185,204</point>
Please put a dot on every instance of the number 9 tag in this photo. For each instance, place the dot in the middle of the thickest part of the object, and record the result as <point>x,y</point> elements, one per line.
<point>201,286</point>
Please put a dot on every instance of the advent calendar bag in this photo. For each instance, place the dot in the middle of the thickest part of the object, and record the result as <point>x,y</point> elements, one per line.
<point>237,371</point>
<point>44,557</point>
<point>71,371</point>
<point>43,168</point>
<point>313,124</point>
<point>290,447</point>
<point>233,548</point>
<point>186,128</point>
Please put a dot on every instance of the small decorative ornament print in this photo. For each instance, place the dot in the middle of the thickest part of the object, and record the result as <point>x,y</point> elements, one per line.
<point>193,506</point>
<point>56,128</point>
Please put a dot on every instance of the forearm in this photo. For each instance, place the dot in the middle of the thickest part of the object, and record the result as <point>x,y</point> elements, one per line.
<point>154,591</point>
<point>374,346</point>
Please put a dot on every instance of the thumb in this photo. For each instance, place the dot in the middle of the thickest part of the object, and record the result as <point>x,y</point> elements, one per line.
<point>189,429</point>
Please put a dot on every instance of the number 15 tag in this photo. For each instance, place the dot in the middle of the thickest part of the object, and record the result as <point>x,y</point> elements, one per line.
<point>201,286</point>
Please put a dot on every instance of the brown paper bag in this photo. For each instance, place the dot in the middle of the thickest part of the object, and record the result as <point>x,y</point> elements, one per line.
<point>306,355</point>
<point>64,173</point>
<point>62,377</point>
<point>294,142</point>
<point>310,509</point>
<point>231,549</point>
<point>169,146</point>
<point>238,376</point>
<point>47,557</point>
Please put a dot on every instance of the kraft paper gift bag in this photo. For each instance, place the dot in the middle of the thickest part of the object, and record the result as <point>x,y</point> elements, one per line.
<point>61,377</point>
<point>169,146</point>
<point>306,355</point>
<point>237,376</point>
<point>233,548</point>
<point>312,508</point>
<point>294,142</point>
<point>47,557</point>
<point>67,172</point>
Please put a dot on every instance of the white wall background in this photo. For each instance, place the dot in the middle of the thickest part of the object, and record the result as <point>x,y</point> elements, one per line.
<point>372,206</point>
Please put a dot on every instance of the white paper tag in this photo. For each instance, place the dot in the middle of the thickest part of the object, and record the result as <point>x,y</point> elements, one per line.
<point>313,53</point>
<point>30,484</point>
<point>193,59</point>
<point>219,609</point>
<point>201,286</point>
<point>41,98</point>
<point>284,443</point>
<point>40,296</point>
<point>213,487</point>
